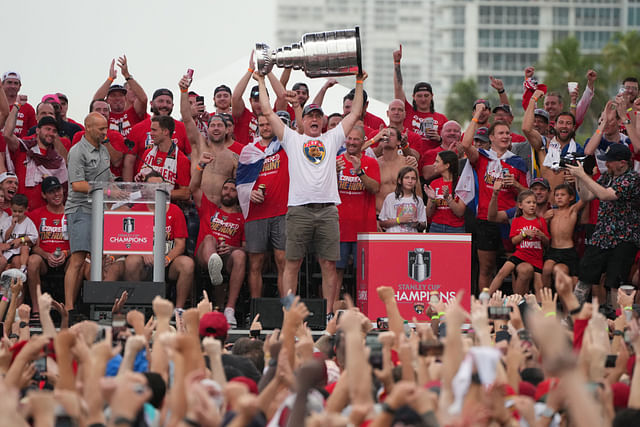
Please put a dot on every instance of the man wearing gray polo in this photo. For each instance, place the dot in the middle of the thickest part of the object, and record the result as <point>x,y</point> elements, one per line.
<point>88,161</point>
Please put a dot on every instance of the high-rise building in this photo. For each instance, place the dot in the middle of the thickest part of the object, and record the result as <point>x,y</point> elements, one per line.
<point>448,40</point>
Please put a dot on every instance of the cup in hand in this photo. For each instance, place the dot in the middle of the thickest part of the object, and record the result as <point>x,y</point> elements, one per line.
<point>572,86</point>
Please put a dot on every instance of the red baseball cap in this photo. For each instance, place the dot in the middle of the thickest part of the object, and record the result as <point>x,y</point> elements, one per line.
<point>213,324</point>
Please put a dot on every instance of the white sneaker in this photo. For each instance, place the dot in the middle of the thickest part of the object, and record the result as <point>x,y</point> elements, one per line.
<point>230,315</point>
<point>215,269</point>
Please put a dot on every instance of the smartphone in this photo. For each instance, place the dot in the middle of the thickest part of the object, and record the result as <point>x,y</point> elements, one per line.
<point>430,348</point>
<point>190,73</point>
<point>499,313</point>
<point>287,301</point>
<point>200,103</point>
<point>339,314</point>
<point>41,366</point>
<point>610,361</point>
<point>382,323</point>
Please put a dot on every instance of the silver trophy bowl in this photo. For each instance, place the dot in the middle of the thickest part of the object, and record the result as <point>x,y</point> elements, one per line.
<point>324,54</point>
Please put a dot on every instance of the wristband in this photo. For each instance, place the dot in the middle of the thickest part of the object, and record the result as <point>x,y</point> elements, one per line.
<point>198,167</point>
<point>396,62</point>
<point>474,120</point>
<point>440,314</point>
<point>436,317</point>
<point>128,78</point>
<point>251,70</point>
<point>123,421</point>
<point>629,110</point>
<point>598,131</point>
<point>550,314</point>
<point>167,259</point>
<point>191,422</point>
<point>184,90</point>
<point>388,409</point>
<point>618,333</point>
<point>628,308</point>
<point>22,239</point>
<point>4,298</point>
<point>398,219</point>
<point>501,91</point>
<point>576,310</point>
<point>573,105</point>
<point>111,79</point>
<point>534,98</point>
<point>359,81</point>
<point>22,325</point>
<point>17,105</point>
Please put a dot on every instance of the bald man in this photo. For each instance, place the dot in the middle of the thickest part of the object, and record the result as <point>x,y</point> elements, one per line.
<point>88,161</point>
<point>451,136</point>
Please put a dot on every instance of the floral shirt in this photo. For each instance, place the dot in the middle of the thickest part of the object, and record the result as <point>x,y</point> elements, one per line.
<point>619,220</point>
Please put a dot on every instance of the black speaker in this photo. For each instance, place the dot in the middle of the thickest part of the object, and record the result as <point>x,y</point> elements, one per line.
<point>270,310</point>
<point>107,292</point>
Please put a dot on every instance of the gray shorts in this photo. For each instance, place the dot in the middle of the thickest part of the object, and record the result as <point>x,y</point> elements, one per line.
<point>315,224</point>
<point>262,233</point>
<point>79,229</point>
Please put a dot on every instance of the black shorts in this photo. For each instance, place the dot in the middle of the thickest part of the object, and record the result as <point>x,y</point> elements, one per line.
<point>515,260</point>
<point>488,236</point>
<point>616,263</point>
<point>566,256</point>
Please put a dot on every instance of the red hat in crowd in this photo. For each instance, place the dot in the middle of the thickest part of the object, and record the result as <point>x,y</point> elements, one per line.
<point>525,388</point>
<point>214,324</point>
<point>251,384</point>
<point>544,388</point>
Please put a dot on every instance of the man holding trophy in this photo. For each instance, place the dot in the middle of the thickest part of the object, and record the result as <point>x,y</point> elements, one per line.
<point>313,190</point>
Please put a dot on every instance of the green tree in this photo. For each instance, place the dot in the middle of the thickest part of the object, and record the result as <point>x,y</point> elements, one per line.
<point>622,54</point>
<point>460,100</point>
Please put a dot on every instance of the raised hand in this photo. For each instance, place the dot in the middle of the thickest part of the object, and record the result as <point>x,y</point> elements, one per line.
<point>397,54</point>
<point>497,84</point>
<point>528,72</point>
<point>113,73</point>
<point>124,68</point>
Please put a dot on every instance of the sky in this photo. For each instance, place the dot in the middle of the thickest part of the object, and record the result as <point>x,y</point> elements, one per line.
<point>67,46</point>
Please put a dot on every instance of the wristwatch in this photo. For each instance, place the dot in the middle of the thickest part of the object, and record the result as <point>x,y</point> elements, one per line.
<point>360,173</point>
<point>388,409</point>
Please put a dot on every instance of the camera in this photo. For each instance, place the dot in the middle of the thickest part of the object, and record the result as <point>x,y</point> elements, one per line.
<point>571,159</point>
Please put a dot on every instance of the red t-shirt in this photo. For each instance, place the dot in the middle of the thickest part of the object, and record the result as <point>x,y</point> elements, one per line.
<point>125,121</point>
<point>429,156</point>
<point>414,118</point>
<point>530,249</point>
<point>416,142</point>
<point>275,176</point>
<point>516,137</point>
<point>18,158</point>
<point>218,223</point>
<point>373,121</point>
<point>176,225</point>
<point>443,213</point>
<point>236,147</point>
<point>52,231</point>
<point>141,137</point>
<point>25,120</point>
<point>246,127</point>
<point>506,197</point>
<point>357,210</point>
<point>180,175</point>
<point>117,142</point>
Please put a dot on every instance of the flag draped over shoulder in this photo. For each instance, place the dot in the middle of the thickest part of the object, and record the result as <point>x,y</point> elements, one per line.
<point>249,167</point>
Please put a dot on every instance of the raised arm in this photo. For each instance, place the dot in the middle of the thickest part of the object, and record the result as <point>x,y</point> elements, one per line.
<point>319,98</point>
<point>281,103</point>
<point>467,140</point>
<point>237,104</point>
<point>10,125</point>
<point>267,111</point>
<point>532,135</point>
<point>140,104</point>
<point>587,96</point>
<point>498,85</point>
<point>103,90</point>
<point>594,142</point>
<point>277,86</point>
<point>356,110</point>
<point>398,90</point>
<point>4,107</point>
<point>193,134</point>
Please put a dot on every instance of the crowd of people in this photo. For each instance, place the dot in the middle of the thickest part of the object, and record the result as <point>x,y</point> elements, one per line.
<point>277,177</point>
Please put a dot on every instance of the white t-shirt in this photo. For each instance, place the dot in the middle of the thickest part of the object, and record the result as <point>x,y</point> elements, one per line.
<point>312,166</point>
<point>393,208</point>
<point>25,228</point>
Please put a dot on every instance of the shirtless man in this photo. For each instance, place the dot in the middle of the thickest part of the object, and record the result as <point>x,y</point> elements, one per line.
<point>390,164</point>
<point>208,177</point>
<point>561,254</point>
<point>548,151</point>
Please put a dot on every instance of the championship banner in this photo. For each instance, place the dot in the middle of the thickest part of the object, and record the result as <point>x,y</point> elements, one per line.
<point>128,233</point>
<point>413,264</point>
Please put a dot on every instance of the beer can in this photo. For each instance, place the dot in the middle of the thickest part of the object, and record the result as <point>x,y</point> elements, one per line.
<point>262,188</point>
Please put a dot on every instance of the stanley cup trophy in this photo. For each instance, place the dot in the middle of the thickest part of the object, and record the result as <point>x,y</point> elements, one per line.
<point>324,54</point>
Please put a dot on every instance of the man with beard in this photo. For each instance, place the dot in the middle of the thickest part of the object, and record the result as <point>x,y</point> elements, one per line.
<point>229,141</point>
<point>165,158</point>
<point>141,139</point>
<point>114,141</point>
<point>422,117</point>
<point>540,188</point>
<point>121,118</point>
<point>208,176</point>
<point>37,157</point>
<point>263,188</point>
<point>550,152</point>
<point>52,227</point>
<point>66,129</point>
<point>450,138</point>
<point>220,242</point>
<point>358,182</point>
<point>390,164</point>
<point>26,116</point>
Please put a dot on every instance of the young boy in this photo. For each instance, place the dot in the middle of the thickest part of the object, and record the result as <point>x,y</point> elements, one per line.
<point>19,233</point>
<point>562,221</point>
